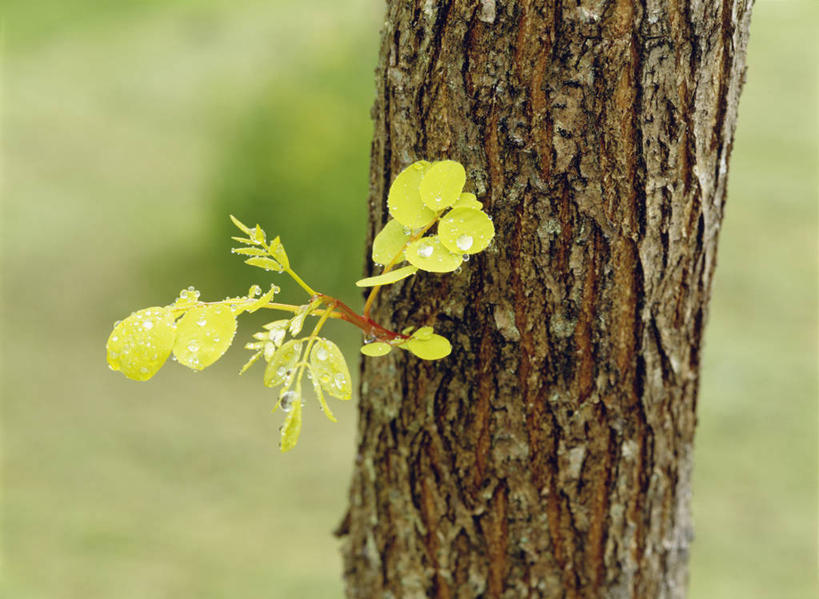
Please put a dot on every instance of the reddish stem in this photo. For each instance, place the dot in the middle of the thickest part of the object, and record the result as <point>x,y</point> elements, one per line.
<point>369,326</point>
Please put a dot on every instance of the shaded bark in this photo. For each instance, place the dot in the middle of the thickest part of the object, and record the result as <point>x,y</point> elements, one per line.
<point>550,454</point>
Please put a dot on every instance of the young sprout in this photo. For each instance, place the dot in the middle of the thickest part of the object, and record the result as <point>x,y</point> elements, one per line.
<point>198,333</point>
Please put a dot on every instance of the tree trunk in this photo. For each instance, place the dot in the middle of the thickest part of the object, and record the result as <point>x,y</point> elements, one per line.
<point>550,454</point>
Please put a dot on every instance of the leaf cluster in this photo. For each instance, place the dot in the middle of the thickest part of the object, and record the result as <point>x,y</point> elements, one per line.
<point>198,333</point>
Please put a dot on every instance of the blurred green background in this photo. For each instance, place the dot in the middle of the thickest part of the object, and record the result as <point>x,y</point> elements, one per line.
<point>131,128</point>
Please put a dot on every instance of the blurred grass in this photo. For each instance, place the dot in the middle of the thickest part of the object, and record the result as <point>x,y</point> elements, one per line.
<point>131,128</point>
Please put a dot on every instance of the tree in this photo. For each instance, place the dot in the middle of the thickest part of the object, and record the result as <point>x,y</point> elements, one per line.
<point>550,455</point>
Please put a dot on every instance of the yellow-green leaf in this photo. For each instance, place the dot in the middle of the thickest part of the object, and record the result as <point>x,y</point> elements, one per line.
<point>139,345</point>
<point>330,369</point>
<point>263,300</point>
<point>276,249</point>
<point>322,402</point>
<point>433,348</point>
<point>389,242</point>
<point>265,263</point>
<point>423,333</point>
<point>249,251</point>
<point>404,199</point>
<point>466,230</point>
<point>468,200</point>
<point>251,361</point>
<point>379,348</point>
<point>388,277</point>
<point>257,234</point>
<point>428,253</point>
<point>292,426</point>
<point>240,225</point>
<point>442,184</point>
<point>203,335</point>
<point>282,364</point>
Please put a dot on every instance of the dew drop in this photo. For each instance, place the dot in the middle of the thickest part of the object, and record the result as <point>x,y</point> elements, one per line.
<point>466,257</point>
<point>148,324</point>
<point>193,347</point>
<point>464,242</point>
<point>321,353</point>
<point>287,400</point>
<point>281,371</point>
<point>425,251</point>
<point>202,322</point>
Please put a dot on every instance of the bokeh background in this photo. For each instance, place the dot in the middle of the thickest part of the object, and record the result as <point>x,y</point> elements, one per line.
<point>131,128</point>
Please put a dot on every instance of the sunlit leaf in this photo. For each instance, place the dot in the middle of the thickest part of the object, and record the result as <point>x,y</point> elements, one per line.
<point>249,251</point>
<point>388,277</point>
<point>322,402</point>
<point>378,348</point>
<point>282,364</point>
<point>297,322</point>
<point>389,242</point>
<point>265,263</point>
<point>263,300</point>
<point>139,345</point>
<point>253,359</point>
<point>203,335</point>
<point>468,200</point>
<point>276,250</point>
<point>466,230</point>
<point>433,348</point>
<point>428,253</point>
<point>245,240</point>
<point>277,330</point>
<point>404,199</point>
<point>330,369</point>
<point>240,225</point>
<point>423,333</point>
<point>442,184</point>
<point>257,234</point>
<point>292,426</point>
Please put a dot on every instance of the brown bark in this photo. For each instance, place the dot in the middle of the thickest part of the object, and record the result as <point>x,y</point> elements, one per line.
<point>550,454</point>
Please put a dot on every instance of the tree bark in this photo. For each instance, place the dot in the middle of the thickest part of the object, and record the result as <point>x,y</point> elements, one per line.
<point>550,454</point>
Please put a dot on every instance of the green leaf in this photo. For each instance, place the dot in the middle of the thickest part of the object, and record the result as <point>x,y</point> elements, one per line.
<point>203,335</point>
<point>250,362</point>
<point>389,242</point>
<point>281,365</point>
<point>388,277</point>
<point>263,300</point>
<point>468,200</point>
<point>297,322</point>
<point>265,263</point>
<point>433,348</point>
<point>428,253</point>
<point>292,426</point>
<point>442,184</point>
<point>239,225</point>
<point>322,402</point>
<point>276,249</point>
<point>404,199</point>
<point>330,369</point>
<point>257,235</point>
<point>249,251</point>
<point>244,240</point>
<point>277,330</point>
<point>466,230</point>
<point>379,348</point>
<point>139,345</point>
<point>423,333</point>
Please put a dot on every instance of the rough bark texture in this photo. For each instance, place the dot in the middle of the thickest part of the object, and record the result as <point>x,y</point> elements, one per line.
<point>550,454</point>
